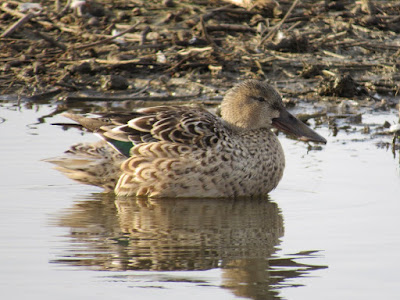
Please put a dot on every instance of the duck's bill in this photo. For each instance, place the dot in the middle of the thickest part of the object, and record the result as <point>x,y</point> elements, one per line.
<point>290,124</point>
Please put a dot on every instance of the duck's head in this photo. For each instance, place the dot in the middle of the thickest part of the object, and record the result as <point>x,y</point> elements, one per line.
<point>255,104</point>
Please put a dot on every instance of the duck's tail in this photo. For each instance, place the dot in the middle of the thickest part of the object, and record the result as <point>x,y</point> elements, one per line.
<point>91,163</point>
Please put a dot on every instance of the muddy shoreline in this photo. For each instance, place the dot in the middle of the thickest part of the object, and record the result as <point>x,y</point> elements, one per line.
<point>340,57</point>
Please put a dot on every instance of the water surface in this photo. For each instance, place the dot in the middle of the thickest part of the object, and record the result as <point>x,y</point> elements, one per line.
<point>328,231</point>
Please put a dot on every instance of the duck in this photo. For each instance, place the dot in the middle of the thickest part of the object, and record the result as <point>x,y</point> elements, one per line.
<point>182,151</point>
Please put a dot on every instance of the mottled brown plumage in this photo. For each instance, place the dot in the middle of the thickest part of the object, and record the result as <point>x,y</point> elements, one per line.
<point>182,151</point>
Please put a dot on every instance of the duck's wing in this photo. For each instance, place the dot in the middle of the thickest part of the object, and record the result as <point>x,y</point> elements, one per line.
<point>94,124</point>
<point>176,124</point>
<point>108,120</point>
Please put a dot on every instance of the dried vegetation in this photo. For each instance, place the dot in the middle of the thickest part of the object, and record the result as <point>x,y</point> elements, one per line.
<point>344,53</point>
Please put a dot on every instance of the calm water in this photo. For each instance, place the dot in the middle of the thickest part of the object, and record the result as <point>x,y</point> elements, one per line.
<point>330,229</point>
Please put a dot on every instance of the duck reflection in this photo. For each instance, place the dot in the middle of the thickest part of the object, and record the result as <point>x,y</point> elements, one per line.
<point>239,236</point>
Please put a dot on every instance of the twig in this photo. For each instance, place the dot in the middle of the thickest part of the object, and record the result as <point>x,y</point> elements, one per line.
<point>229,27</point>
<point>51,40</point>
<point>207,36</point>
<point>279,25</point>
<point>306,117</point>
<point>17,25</point>
<point>194,50</point>
<point>150,46</point>
<point>21,15</point>
<point>239,11</point>
<point>57,5</point>
<point>180,62</point>
<point>335,37</point>
<point>124,98</point>
<point>108,39</point>
<point>208,14</point>
<point>143,35</point>
<point>137,61</point>
<point>329,53</point>
<point>45,95</point>
<point>204,31</point>
<point>65,9</point>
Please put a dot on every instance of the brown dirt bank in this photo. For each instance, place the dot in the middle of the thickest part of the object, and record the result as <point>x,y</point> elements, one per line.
<point>344,54</point>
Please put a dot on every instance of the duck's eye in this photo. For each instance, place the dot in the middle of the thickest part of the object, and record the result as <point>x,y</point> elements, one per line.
<point>260,99</point>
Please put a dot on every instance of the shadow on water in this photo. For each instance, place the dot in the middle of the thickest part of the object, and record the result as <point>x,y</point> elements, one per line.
<point>238,236</point>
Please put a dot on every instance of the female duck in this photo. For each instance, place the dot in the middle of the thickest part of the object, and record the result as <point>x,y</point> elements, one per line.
<point>181,151</point>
